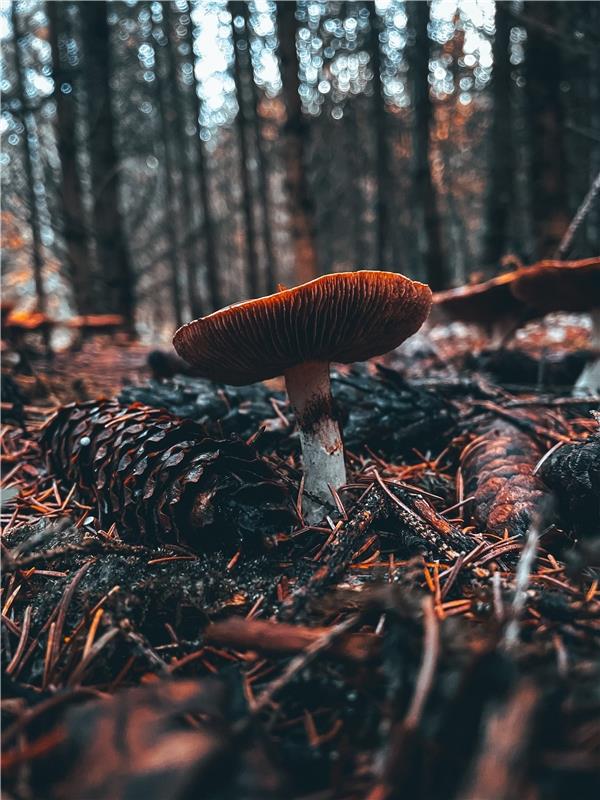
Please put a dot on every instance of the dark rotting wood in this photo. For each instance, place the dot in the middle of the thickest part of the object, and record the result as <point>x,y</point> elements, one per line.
<point>572,471</point>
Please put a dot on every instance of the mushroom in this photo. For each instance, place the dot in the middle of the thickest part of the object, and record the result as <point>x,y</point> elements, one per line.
<point>28,320</point>
<point>89,325</point>
<point>566,286</point>
<point>297,333</point>
<point>491,305</point>
<point>21,323</point>
<point>97,323</point>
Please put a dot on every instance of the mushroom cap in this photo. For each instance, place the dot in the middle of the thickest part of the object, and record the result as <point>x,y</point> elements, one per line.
<point>560,285</point>
<point>96,321</point>
<point>481,303</point>
<point>28,320</point>
<point>343,317</point>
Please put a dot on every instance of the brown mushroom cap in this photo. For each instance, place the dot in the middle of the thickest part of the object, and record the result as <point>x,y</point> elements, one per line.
<point>343,317</point>
<point>97,321</point>
<point>560,285</point>
<point>28,320</point>
<point>481,303</point>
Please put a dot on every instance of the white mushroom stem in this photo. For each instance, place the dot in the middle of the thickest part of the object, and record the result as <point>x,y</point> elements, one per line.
<point>588,383</point>
<point>309,391</point>
<point>501,331</point>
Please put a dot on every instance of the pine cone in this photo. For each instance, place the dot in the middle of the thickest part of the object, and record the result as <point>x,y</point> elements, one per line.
<point>161,479</point>
<point>498,472</point>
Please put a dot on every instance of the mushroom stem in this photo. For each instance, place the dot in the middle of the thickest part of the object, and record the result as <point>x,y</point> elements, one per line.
<point>501,331</point>
<point>309,390</point>
<point>588,383</point>
<point>595,315</point>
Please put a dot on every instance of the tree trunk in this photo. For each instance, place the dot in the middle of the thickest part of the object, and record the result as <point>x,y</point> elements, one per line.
<point>500,190</point>
<point>208,224</point>
<point>355,183</point>
<point>548,185</point>
<point>263,181</point>
<point>382,158</point>
<point>29,138</point>
<point>296,133</point>
<point>190,258</point>
<point>112,251</point>
<point>241,46</point>
<point>431,246</point>
<point>171,211</point>
<point>593,220</point>
<point>79,259</point>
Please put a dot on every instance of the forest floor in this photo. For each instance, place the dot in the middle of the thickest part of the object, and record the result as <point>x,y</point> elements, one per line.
<point>172,629</point>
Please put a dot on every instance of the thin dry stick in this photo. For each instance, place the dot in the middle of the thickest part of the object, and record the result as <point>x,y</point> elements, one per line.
<point>398,736</point>
<point>506,735</point>
<point>22,641</point>
<point>581,213</point>
<point>522,578</point>
<point>301,661</point>
<point>62,615</point>
<point>92,547</point>
<point>431,649</point>
<point>77,674</point>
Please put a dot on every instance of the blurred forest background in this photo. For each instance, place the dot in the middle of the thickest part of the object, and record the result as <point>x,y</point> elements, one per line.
<point>161,159</point>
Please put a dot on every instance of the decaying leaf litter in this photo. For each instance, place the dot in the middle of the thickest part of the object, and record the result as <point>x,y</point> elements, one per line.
<point>435,635</point>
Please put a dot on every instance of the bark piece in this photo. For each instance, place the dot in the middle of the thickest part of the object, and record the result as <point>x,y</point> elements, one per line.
<point>573,473</point>
<point>296,138</point>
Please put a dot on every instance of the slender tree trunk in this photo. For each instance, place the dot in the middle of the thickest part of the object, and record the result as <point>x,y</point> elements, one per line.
<point>190,258</point>
<point>382,163</point>
<point>263,182</point>
<point>208,224</point>
<point>171,211</point>
<point>548,185</point>
<point>296,134</point>
<point>593,220</point>
<point>112,250</point>
<point>355,178</point>
<point>431,247</point>
<point>29,138</point>
<point>500,188</point>
<point>76,239</point>
<point>241,46</point>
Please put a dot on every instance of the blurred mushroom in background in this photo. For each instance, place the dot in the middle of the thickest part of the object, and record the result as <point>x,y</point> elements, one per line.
<point>89,326</point>
<point>572,286</point>
<point>491,305</point>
